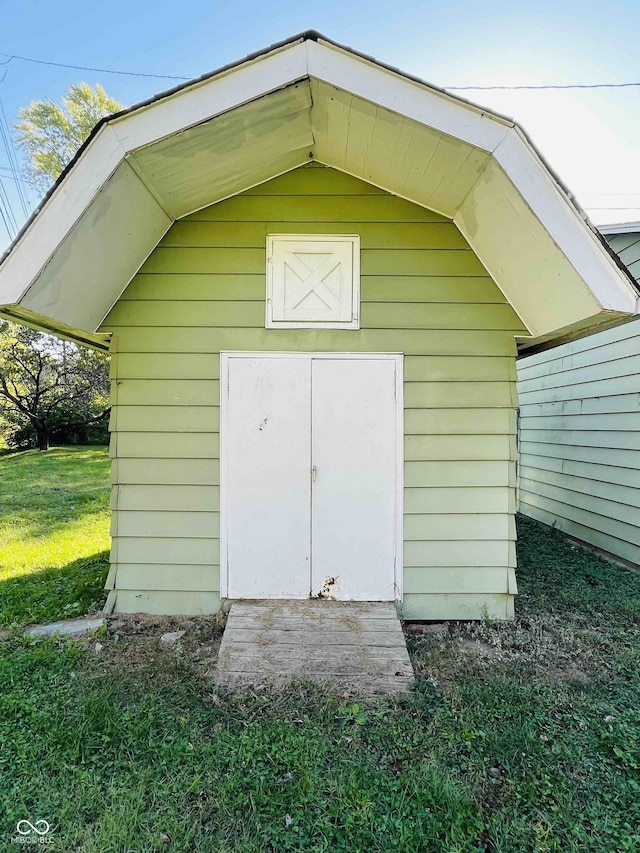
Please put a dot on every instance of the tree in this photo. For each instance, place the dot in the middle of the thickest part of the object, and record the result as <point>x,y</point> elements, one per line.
<point>48,386</point>
<point>50,134</point>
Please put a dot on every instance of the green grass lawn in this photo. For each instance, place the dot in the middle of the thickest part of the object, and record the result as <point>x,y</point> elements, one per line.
<point>54,533</point>
<point>520,736</point>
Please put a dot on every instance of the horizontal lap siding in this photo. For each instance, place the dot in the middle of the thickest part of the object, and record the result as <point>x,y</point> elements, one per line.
<point>580,439</point>
<point>161,601</point>
<point>627,247</point>
<point>423,293</point>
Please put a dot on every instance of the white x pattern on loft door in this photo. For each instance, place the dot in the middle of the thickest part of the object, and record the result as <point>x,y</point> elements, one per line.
<point>312,281</point>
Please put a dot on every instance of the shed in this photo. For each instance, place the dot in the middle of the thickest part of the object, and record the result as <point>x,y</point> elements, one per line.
<point>312,271</point>
<point>580,429</point>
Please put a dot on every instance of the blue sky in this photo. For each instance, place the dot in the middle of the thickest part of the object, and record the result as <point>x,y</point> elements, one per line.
<point>591,138</point>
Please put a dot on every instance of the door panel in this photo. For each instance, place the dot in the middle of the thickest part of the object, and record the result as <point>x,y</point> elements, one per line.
<point>354,453</point>
<point>267,475</point>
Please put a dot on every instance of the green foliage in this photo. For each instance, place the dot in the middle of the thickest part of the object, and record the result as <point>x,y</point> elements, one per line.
<point>54,533</point>
<point>622,737</point>
<point>126,752</point>
<point>50,389</point>
<point>50,133</point>
<point>354,713</point>
<point>501,748</point>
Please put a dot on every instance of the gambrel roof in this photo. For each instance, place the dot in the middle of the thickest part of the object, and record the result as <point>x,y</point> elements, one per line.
<point>301,100</point>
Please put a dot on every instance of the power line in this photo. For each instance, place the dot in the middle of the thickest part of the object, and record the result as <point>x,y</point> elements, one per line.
<point>4,220</point>
<point>546,86</point>
<point>13,56</point>
<point>610,195</point>
<point>10,173</point>
<point>7,139</point>
<point>6,210</point>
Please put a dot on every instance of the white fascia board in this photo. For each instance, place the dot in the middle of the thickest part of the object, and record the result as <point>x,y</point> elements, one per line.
<point>61,211</point>
<point>209,98</point>
<point>17,314</point>
<point>570,232</point>
<point>402,95</point>
<point>619,228</point>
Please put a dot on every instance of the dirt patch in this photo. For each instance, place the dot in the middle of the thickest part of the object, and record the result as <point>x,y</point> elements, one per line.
<point>435,629</point>
<point>441,652</point>
<point>350,623</point>
<point>134,642</point>
<point>571,674</point>
<point>468,646</point>
<point>542,645</point>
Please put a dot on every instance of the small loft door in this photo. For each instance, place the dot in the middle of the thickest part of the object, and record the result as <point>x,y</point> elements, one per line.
<point>310,475</point>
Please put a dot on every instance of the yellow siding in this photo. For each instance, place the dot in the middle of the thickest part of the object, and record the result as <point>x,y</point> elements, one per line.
<point>179,497</point>
<point>580,439</point>
<point>423,293</point>
<point>161,601</point>
<point>201,339</point>
<point>199,525</point>
<point>468,605</point>
<point>492,579</point>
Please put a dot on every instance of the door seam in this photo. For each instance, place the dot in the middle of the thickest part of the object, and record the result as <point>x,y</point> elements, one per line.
<point>311,461</point>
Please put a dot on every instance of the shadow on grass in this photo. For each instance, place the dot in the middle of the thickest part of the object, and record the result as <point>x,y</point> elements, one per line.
<point>55,592</point>
<point>556,575</point>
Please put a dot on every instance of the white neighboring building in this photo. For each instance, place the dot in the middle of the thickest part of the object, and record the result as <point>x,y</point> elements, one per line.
<point>580,429</point>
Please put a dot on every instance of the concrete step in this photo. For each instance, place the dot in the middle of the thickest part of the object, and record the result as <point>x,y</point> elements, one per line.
<point>358,646</point>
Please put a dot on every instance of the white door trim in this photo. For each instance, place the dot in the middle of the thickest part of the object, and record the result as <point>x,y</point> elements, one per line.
<point>225,357</point>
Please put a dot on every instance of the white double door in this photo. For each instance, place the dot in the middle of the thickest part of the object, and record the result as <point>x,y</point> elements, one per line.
<point>310,475</point>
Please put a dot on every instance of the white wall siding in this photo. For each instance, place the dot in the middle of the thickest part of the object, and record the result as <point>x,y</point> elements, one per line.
<point>580,437</point>
<point>627,247</point>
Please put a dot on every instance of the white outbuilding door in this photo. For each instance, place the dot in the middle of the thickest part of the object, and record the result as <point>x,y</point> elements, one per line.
<point>311,461</point>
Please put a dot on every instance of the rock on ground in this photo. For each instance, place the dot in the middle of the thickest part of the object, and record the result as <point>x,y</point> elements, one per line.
<point>171,637</point>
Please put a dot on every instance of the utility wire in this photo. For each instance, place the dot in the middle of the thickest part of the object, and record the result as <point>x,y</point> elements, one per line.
<point>629,207</point>
<point>603,195</point>
<point>12,56</point>
<point>546,86</point>
<point>6,204</point>
<point>7,212</point>
<point>85,68</point>
<point>7,140</point>
<point>10,209</point>
<point>4,220</point>
<point>9,172</point>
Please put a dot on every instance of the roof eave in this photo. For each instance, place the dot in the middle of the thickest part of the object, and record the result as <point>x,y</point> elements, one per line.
<point>118,136</point>
<point>16,314</point>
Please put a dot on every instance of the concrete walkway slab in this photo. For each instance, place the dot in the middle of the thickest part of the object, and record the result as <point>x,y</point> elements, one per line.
<point>357,645</point>
<point>66,628</point>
